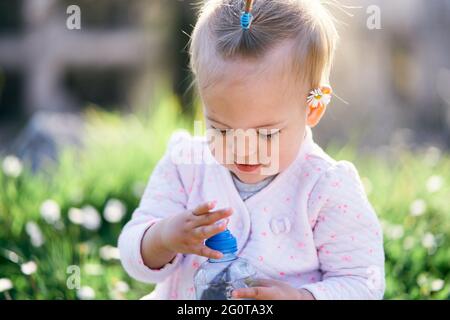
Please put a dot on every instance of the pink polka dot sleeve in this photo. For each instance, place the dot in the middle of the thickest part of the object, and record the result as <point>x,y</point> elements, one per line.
<point>348,237</point>
<point>164,196</point>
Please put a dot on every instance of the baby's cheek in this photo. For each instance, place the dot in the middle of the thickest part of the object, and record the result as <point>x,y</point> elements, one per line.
<point>287,154</point>
<point>219,152</point>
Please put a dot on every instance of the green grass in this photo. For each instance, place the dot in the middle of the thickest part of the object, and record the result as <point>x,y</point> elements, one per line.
<point>115,163</point>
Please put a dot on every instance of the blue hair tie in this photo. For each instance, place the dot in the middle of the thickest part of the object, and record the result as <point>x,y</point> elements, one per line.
<point>246,20</point>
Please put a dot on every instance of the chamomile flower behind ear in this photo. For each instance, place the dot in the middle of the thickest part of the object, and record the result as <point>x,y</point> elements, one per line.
<point>320,97</point>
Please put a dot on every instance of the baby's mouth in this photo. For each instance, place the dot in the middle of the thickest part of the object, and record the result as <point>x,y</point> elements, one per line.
<point>247,167</point>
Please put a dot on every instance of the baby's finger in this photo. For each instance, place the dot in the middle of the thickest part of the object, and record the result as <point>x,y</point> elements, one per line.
<point>204,251</point>
<point>204,208</point>
<point>258,293</point>
<point>212,217</point>
<point>204,232</point>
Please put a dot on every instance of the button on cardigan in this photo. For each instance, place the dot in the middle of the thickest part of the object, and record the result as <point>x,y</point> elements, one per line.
<point>312,226</point>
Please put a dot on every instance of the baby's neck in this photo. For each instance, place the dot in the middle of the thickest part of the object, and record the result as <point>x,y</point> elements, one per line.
<point>246,190</point>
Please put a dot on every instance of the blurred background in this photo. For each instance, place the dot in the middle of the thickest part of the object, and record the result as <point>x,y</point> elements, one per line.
<point>85,115</point>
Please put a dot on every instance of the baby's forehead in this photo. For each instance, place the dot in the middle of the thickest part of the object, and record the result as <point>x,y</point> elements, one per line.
<point>276,61</point>
<point>259,85</point>
<point>274,69</point>
<point>265,87</point>
<point>251,91</point>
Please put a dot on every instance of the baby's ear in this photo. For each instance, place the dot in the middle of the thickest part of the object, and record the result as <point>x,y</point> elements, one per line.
<point>314,115</point>
<point>317,102</point>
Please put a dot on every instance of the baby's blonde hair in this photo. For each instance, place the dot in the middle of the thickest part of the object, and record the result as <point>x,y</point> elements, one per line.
<point>218,37</point>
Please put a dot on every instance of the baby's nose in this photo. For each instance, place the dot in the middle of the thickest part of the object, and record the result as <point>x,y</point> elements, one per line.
<point>245,149</point>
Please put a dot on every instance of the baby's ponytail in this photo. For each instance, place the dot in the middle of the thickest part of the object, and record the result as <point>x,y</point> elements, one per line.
<point>246,17</point>
<point>233,29</point>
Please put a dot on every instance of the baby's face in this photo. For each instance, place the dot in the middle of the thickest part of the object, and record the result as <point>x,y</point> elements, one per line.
<point>252,96</point>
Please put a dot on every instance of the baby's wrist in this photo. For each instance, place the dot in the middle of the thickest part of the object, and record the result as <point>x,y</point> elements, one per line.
<point>152,248</point>
<point>158,238</point>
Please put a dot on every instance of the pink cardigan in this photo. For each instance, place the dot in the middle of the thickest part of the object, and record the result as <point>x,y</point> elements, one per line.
<point>311,227</point>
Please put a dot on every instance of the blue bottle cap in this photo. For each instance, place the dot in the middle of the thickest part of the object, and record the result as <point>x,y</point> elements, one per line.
<point>224,242</point>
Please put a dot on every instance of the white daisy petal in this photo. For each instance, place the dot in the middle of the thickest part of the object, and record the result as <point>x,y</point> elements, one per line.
<point>35,234</point>
<point>86,293</point>
<point>75,215</point>
<point>418,207</point>
<point>28,268</point>
<point>50,211</point>
<point>114,211</point>
<point>437,285</point>
<point>428,241</point>
<point>434,184</point>
<point>5,284</point>
<point>91,218</point>
<point>122,287</point>
<point>12,166</point>
<point>109,253</point>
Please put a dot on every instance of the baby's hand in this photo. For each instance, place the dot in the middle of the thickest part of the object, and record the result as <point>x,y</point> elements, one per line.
<point>267,289</point>
<point>186,232</point>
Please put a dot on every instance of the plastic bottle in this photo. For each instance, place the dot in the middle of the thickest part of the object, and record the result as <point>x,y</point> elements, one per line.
<point>216,278</point>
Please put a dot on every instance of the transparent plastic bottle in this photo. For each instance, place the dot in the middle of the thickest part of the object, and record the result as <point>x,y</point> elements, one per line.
<point>217,278</point>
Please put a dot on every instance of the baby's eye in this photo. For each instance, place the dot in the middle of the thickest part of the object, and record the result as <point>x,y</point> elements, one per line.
<point>220,131</point>
<point>268,134</point>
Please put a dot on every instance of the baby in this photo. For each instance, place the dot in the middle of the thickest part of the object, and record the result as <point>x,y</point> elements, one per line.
<point>300,218</point>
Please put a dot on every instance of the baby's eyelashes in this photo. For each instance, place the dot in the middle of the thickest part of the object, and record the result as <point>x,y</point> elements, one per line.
<point>268,133</point>
<point>263,133</point>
